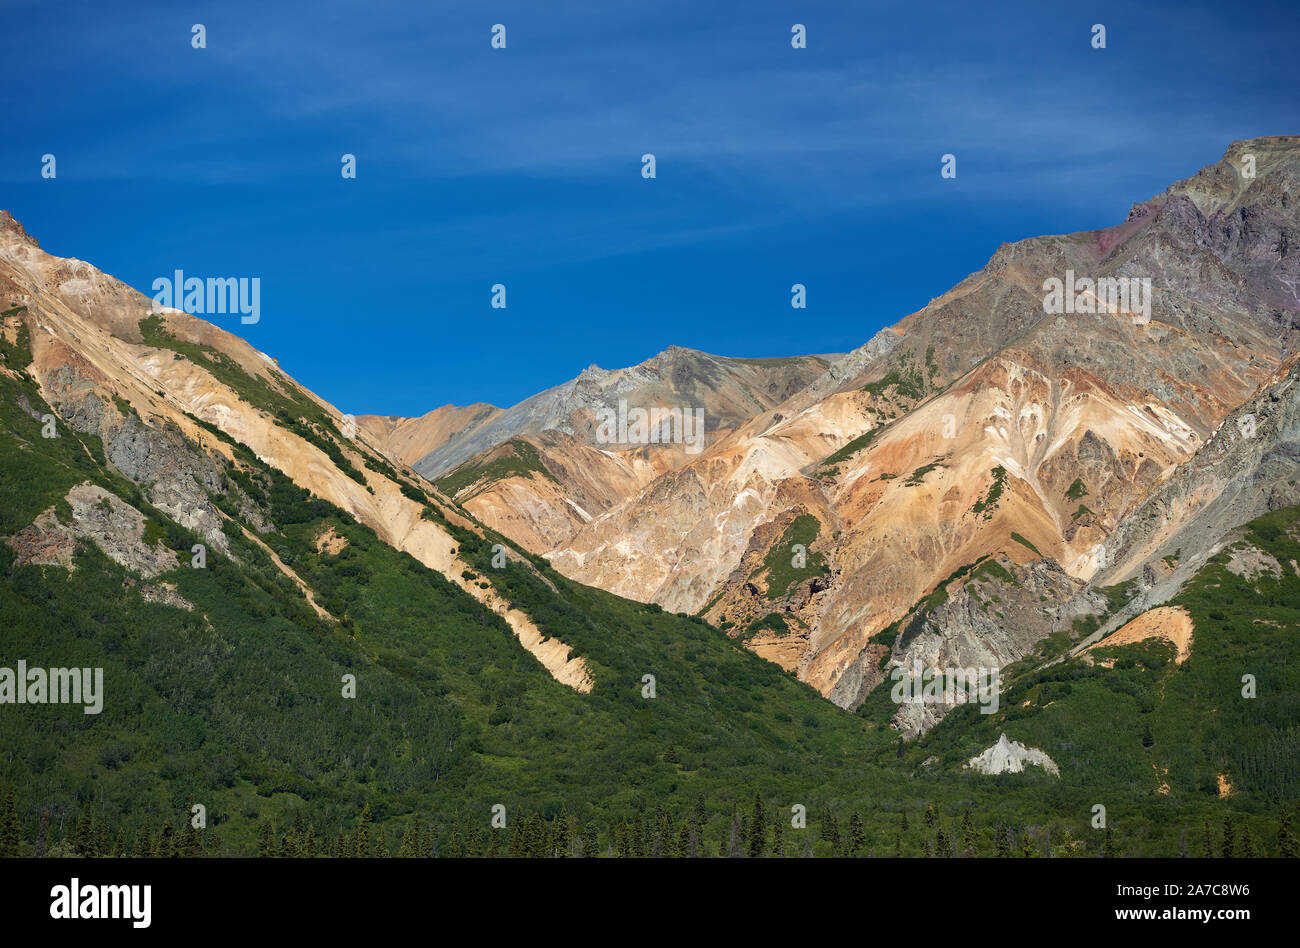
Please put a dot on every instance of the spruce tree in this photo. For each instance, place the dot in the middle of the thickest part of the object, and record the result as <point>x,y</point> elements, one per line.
<point>683,843</point>
<point>410,840</point>
<point>1027,846</point>
<point>361,840</point>
<point>266,840</point>
<point>637,841</point>
<point>968,837</point>
<point>189,842</point>
<point>572,837</point>
<point>167,842</point>
<point>143,842</point>
<point>10,828</point>
<point>857,835</point>
<point>661,832</point>
<point>84,841</point>
<point>43,835</point>
<point>1286,841</point>
<point>778,834</point>
<point>757,828</point>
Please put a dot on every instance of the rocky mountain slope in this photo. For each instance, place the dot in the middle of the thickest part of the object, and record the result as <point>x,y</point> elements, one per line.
<point>540,471</point>
<point>978,486</point>
<point>153,387</point>
<point>981,428</point>
<point>409,439</point>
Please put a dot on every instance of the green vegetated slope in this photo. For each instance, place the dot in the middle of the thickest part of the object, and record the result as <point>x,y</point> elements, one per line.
<point>1149,738</point>
<point>515,458</point>
<point>779,564</point>
<point>238,705</point>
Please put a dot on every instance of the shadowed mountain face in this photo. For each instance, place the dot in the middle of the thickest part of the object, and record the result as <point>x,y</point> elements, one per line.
<point>989,425</point>
<point>729,391</point>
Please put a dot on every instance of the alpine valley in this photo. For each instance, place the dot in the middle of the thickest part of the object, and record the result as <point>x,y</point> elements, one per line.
<point>382,635</point>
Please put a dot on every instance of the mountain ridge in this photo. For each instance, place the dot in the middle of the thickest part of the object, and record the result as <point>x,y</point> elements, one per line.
<point>1113,405</point>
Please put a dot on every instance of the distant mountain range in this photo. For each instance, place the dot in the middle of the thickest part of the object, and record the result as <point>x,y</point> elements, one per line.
<point>980,427</point>
<point>362,635</point>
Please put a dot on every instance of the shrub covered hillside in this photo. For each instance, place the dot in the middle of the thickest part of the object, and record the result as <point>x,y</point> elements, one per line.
<point>226,688</point>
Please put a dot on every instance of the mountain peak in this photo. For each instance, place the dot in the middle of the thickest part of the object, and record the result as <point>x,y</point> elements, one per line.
<point>10,224</point>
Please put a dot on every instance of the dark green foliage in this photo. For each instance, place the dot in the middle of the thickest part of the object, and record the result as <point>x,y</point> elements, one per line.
<point>917,477</point>
<point>906,380</point>
<point>291,410</point>
<point>772,622</point>
<point>854,446</point>
<point>516,458</point>
<point>238,705</point>
<point>1025,543</point>
<point>989,502</point>
<point>779,563</point>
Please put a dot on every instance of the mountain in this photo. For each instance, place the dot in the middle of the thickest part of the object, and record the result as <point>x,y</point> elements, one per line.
<point>729,391</point>
<point>982,428</point>
<point>1097,519</point>
<point>409,439</point>
<point>542,470</point>
<point>109,361</point>
<point>181,514</point>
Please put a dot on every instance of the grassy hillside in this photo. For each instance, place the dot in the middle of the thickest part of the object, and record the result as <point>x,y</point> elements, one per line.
<point>238,706</point>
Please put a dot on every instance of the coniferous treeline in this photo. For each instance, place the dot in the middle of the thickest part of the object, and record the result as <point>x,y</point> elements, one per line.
<point>759,832</point>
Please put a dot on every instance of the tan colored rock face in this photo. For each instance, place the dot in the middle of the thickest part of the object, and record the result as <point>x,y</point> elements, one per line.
<point>1009,431</point>
<point>409,439</point>
<point>86,341</point>
<point>980,426</point>
<point>1171,623</point>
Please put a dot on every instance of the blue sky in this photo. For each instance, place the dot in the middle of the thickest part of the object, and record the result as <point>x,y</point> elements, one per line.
<point>522,166</point>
